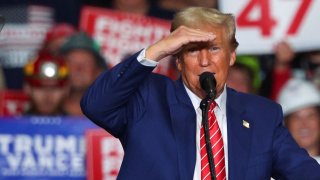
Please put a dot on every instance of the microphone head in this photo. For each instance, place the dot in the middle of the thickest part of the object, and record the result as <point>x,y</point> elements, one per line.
<point>208,84</point>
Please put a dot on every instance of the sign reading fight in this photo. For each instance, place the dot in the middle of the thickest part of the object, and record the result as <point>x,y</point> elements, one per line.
<point>263,23</point>
<point>120,34</point>
<point>43,148</point>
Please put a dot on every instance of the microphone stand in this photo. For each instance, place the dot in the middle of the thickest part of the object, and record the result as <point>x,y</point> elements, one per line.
<point>204,106</point>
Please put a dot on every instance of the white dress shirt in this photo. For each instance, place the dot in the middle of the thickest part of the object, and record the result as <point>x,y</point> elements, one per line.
<point>219,110</point>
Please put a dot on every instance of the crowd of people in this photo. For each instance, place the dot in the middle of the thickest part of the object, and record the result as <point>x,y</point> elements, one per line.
<point>72,66</point>
<point>76,48</point>
<point>59,73</point>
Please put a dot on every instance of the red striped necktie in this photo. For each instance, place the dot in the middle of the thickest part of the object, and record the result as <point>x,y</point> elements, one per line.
<point>217,148</point>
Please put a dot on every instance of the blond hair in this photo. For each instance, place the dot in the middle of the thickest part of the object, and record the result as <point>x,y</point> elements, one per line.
<point>194,16</point>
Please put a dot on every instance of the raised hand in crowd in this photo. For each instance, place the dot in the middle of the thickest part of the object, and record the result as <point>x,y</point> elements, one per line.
<point>284,55</point>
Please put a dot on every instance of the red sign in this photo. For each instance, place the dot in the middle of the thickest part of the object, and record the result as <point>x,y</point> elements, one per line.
<point>121,34</point>
<point>13,102</point>
<point>104,155</point>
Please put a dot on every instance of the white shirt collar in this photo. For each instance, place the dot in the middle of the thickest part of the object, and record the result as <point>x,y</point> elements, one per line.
<point>221,100</point>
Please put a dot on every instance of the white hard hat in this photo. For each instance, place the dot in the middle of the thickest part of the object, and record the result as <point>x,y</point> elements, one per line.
<point>297,94</point>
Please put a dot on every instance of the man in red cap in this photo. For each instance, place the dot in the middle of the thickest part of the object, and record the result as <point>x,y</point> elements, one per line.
<point>46,85</point>
<point>56,36</point>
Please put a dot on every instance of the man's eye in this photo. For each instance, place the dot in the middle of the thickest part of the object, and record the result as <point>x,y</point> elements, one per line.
<point>193,51</point>
<point>214,48</point>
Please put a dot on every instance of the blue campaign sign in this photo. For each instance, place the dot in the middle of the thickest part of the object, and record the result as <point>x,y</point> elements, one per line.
<point>43,148</point>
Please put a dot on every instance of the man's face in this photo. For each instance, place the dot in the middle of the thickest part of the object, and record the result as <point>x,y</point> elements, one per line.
<point>239,80</point>
<point>82,67</point>
<point>215,56</point>
<point>304,125</point>
<point>47,100</point>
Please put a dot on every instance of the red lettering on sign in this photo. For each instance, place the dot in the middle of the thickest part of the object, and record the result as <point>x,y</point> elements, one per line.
<point>265,22</point>
<point>296,22</point>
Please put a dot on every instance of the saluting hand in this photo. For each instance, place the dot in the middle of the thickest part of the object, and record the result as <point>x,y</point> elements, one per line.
<point>174,42</point>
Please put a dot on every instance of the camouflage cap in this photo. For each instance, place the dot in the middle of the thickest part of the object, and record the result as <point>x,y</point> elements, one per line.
<point>82,40</point>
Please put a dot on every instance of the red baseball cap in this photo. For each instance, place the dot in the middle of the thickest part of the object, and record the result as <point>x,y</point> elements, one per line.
<point>58,31</point>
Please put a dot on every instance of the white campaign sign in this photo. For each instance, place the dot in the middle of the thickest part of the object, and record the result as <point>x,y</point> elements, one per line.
<point>263,23</point>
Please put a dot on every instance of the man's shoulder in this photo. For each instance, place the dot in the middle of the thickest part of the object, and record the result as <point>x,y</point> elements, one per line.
<point>252,99</point>
<point>158,83</point>
<point>263,111</point>
<point>159,79</point>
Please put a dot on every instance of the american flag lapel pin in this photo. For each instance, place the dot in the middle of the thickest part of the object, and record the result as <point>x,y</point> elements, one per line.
<point>245,124</point>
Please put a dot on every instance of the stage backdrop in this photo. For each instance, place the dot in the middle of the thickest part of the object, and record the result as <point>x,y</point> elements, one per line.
<point>262,23</point>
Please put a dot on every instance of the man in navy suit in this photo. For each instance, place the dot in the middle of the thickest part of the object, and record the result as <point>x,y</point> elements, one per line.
<point>158,120</point>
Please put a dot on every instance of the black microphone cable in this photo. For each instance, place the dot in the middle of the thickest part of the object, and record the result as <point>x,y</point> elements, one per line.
<point>204,106</point>
<point>208,83</point>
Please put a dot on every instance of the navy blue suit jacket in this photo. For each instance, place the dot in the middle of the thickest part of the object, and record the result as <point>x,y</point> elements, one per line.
<point>156,123</point>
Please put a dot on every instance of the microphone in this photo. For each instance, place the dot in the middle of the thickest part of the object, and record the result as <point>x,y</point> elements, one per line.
<point>208,84</point>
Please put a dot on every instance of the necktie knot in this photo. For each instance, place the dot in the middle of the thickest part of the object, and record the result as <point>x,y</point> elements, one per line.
<point>211,116</point>
<point>213,104</point>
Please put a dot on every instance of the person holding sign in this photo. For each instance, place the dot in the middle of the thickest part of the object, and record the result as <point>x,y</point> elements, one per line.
<point>195,127</point>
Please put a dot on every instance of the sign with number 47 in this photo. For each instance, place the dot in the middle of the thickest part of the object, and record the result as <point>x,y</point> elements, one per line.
<point>263,23</point>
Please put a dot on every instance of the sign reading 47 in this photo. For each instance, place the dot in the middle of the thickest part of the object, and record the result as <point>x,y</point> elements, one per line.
<point>265,22</point>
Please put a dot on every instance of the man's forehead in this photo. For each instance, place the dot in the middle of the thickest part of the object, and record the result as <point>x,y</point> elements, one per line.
<point>201,44</point>
<point>217,41</point>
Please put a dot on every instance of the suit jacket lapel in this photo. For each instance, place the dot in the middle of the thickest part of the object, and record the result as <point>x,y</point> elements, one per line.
<point>239,136</point>
<point>183,118</point>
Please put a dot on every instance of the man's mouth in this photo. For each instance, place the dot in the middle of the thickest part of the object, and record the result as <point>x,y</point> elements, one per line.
<point>206,71</point>
<point>304,133</point>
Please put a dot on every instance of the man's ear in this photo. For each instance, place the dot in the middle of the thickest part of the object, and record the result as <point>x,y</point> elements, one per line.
<point>179,63</point>
<point>27,88</point>
<point>233,58</point>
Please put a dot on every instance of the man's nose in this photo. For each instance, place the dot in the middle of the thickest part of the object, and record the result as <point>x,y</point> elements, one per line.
<point>80,66</point>
<point>204,58</point>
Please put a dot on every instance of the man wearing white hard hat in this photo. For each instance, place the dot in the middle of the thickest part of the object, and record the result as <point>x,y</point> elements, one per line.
<point>300,101</point>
